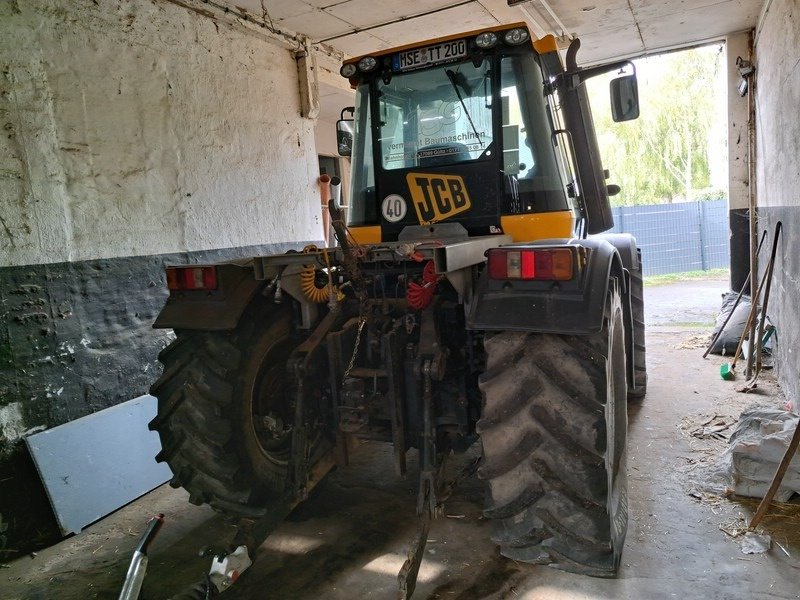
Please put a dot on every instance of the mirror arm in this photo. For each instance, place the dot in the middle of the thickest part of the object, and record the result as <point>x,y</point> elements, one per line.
<point>575,77</point>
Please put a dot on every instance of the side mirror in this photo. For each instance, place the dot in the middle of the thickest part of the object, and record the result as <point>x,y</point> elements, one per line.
<point>344,133</point>
<point>624,98</point>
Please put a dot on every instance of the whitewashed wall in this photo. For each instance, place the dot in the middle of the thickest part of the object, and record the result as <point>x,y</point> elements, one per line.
<point>738,46</point>
<point>133,133</point>
<point>139,127</point>
<point>777,48</point>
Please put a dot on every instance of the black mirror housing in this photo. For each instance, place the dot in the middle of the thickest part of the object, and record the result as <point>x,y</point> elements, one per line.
<point>344,132</point>
<point>344,136</point>
<point>624,98</point>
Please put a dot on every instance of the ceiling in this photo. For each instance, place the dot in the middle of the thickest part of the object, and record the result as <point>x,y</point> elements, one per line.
<point>608,29</point>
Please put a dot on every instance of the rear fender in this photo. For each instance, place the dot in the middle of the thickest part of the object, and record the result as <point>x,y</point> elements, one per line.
<point>574,307</point>
<point>625,244</point>
<point>216,310</point>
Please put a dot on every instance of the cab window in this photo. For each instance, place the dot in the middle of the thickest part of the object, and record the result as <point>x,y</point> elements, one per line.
<point>532,181</point>
<point>436,117</point>
<point>363,210</point>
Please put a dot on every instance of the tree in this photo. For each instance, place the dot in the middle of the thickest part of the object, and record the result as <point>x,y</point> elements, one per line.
<point>666,154</point>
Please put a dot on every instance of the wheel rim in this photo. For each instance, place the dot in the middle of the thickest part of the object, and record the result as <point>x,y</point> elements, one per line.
<point>616,419</point>
<point>272,409</point>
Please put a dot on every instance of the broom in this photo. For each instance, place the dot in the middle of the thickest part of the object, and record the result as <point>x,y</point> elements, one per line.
<point>728,370</point>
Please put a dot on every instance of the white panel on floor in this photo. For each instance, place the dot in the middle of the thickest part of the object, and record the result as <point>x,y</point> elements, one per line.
<point>94,465</point>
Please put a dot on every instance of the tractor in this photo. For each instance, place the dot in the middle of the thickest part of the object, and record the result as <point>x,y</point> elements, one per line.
<point>471,297</point>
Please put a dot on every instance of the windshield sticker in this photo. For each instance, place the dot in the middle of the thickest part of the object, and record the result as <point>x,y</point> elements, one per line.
<point>461,137</point>
<point>437,197</point>
<point>434,147</point>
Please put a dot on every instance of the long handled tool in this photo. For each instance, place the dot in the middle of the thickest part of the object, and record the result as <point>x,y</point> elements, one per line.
<point>727,371</point>
<point>138,566</point>
<point>736,303</point>
<point>759,345</point>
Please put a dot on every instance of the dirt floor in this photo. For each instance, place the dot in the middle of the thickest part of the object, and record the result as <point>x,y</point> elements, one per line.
<point>350,538</point>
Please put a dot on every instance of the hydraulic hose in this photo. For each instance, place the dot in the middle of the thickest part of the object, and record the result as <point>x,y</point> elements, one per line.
<point>308,281</point>
<point>420,295</point>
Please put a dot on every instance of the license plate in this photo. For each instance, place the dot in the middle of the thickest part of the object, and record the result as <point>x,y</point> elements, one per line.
<point>438,54</point>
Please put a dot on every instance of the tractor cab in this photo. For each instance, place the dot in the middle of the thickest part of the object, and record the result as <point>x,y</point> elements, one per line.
<point>465,129</point>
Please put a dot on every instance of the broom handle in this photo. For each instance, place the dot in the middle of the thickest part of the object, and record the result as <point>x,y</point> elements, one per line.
<point>770,270</point>
<point>738,299</point>
<point>750,317</point>
<point>754,308</point>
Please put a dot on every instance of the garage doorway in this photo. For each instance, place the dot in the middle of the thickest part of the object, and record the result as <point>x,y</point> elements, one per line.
<point>672,162</point>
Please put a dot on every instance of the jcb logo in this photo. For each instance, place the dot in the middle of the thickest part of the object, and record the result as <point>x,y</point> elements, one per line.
<point>437,197</point>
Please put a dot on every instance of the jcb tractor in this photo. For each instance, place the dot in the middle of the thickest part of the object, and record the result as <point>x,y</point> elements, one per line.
<point>470,298</point>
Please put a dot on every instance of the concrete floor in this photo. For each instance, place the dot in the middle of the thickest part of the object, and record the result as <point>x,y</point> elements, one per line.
<point>349,539</point>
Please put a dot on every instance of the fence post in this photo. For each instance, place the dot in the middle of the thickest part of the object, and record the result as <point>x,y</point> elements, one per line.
<point>702,215</point>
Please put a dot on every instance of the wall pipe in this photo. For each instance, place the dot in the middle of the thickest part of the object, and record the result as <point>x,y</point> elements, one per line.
<point>324,196</point>
<point>751,188</point>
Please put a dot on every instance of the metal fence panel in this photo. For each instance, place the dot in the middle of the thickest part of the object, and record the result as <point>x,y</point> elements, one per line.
<point>716,233</point>
<point>687,236</point>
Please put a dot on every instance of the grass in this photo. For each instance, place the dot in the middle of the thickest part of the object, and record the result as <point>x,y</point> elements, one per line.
<point>686,276</point>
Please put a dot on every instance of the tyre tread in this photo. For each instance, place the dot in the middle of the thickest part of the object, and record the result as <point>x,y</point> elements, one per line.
<point>547,476</point>
<point>195,420</point>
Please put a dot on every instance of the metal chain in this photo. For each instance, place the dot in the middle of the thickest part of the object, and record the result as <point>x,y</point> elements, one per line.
<point>355,350</point>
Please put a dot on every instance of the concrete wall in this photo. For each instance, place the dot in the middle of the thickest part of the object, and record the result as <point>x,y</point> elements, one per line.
<point>738,45</point>
<point>139,127</point>
<point>132,133</point>
<point>778,171</point>
<point>325,134</point>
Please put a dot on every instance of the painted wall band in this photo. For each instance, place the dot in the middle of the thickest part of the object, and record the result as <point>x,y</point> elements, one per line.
<point>739,219</point>
<point>76,337</point>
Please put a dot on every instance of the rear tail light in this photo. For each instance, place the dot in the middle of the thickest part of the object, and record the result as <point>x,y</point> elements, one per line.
<point>551,264</point>
<point>191,278</point>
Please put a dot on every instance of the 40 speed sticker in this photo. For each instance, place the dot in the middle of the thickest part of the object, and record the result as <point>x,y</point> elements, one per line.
<point>394,208</point>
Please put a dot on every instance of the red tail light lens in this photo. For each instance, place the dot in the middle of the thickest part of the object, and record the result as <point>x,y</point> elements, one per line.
<point>550,264</point>
<point>192,278</point>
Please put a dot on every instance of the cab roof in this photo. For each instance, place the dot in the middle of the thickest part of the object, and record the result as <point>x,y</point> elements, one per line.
<point>545,44</point>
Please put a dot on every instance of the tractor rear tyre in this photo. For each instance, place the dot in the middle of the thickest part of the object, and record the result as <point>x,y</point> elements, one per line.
<point>639,347</point>
<point>226,411</point>
<point>553,433</point>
